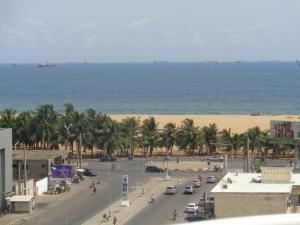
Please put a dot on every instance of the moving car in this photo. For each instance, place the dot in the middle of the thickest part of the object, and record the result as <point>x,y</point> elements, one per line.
<point>89,173</point>
<point>191,208</point>
<point>154,169</point>
<point>211,179</point>
<point>189,190</point>
<point>196,183</point>
<point>171,190</point>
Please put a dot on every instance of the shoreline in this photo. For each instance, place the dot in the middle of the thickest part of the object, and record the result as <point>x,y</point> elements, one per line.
<point>237,123</point>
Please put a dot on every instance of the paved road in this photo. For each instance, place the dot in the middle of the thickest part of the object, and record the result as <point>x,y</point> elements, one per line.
<point>162,210</point>
<point>84,205</point>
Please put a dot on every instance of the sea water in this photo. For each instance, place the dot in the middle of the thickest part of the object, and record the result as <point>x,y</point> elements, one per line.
<point>155,88</point>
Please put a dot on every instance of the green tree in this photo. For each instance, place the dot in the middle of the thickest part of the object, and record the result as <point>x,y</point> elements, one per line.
<point>168,137</point>
<point>130,127</point>
<point>150,134</point>
<point>188,137</point>
<point>210,137</point>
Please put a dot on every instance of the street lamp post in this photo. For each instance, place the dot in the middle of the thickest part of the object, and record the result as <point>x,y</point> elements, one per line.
<point>5,195</point>
<point>68,147</point>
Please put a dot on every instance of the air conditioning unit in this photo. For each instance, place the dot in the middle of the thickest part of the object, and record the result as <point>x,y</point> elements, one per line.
<point>224,186</point>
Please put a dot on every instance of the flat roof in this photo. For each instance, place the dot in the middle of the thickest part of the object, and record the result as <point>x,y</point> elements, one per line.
<point>21,198</point>
<point>37,154</point>
<point>243,183</point>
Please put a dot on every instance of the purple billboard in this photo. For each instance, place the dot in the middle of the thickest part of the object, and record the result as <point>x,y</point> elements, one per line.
<point>61,171</point>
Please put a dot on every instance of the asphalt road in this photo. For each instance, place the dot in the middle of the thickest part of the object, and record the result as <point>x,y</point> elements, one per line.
<point>161,211</point>
<point>86,204</point>
<point>80,207</point>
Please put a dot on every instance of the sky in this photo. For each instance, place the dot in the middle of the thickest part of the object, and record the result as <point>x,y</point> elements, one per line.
<point>143,31</point>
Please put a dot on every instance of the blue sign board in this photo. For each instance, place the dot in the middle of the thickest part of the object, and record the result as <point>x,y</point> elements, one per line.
<point>61,171</point>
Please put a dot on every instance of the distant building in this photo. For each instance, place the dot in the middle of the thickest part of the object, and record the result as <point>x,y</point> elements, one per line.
<point>5,164</point>
<point>275,190</point>
<point>39,163</point>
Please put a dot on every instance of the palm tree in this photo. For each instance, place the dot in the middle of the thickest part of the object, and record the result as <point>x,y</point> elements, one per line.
<point>226,139</point>
<point>168,137</point>
<point>150,133</point>
<point>46,117</point>
<point>92,132</point>
<point>189,137</point>
<point>112,137</point>
<point>210,137</point>
<point>237,142</point>
<point>130,127</point>
<point>253,136</point>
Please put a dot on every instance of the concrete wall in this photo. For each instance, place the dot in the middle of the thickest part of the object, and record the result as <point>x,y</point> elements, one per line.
<point>29,185</point>
<point>276,174</point>
<point>41,186</point>
<point>36,169</point>
<point>23,206</point>
<point>248,204</point>
<point>5,163</point>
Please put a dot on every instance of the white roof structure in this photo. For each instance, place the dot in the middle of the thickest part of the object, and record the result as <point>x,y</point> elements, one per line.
<point>21,198</point>
<point>245,183</point>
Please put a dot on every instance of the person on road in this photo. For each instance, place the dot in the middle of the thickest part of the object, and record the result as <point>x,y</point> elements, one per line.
<point>94,190</point>
<point>152,198</point>
<point>112,166</point>
<point>115,220</point>
<point>175,215</point>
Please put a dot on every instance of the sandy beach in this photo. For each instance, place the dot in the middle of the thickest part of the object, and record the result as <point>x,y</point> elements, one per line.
<point>237,123</point>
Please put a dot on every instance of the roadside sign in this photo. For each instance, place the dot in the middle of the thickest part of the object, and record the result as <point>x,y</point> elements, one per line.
<point>125,201</point>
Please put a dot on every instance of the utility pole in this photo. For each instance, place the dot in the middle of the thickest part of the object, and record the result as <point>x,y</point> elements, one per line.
<point>19,176</point>
<point>80,156</point>
<point>25,172</point>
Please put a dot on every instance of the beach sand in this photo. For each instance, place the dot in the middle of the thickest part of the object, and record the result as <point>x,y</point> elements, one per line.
<point>237,123</point>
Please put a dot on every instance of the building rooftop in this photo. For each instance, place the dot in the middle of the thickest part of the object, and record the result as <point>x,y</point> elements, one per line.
<point>251,183</point>
<point>37,154</point>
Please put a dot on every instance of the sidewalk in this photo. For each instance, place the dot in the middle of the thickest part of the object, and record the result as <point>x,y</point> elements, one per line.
<point>137,202</point>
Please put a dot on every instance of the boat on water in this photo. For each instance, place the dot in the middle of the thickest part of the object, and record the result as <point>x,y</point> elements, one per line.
<point>219,62</point>
<point>42,65</point>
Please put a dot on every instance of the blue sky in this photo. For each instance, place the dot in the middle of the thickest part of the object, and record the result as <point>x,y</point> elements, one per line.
<point>139,30</point>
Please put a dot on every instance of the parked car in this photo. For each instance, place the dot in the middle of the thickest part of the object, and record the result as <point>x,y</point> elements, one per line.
<point>89,173</point>
<point>107,158</point>
<point>171,190</point>
<point>195,217</point>
<point>211,179</point>
<point>191,208</point>
<point>130,157</point>
<point>189,190</point>
<point>196,183</point>
<point>216,158</point>
<point>154,169</point>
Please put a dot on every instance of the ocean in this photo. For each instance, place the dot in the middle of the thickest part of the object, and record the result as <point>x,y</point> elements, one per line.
<point>155,88</point>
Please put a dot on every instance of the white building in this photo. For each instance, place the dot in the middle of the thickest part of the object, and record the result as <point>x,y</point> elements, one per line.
<point>275,190</point>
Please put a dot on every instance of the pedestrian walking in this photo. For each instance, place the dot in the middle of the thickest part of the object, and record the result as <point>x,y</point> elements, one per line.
<point>115,220</point>
<point>94,190</point>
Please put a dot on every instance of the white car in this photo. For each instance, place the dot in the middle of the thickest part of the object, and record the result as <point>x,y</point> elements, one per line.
<point>211,179</point>
<point>191,208</point>
<point>171,190</point>
<point>215,159</point>
<point>189,190</point>
<point>196,183</point>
